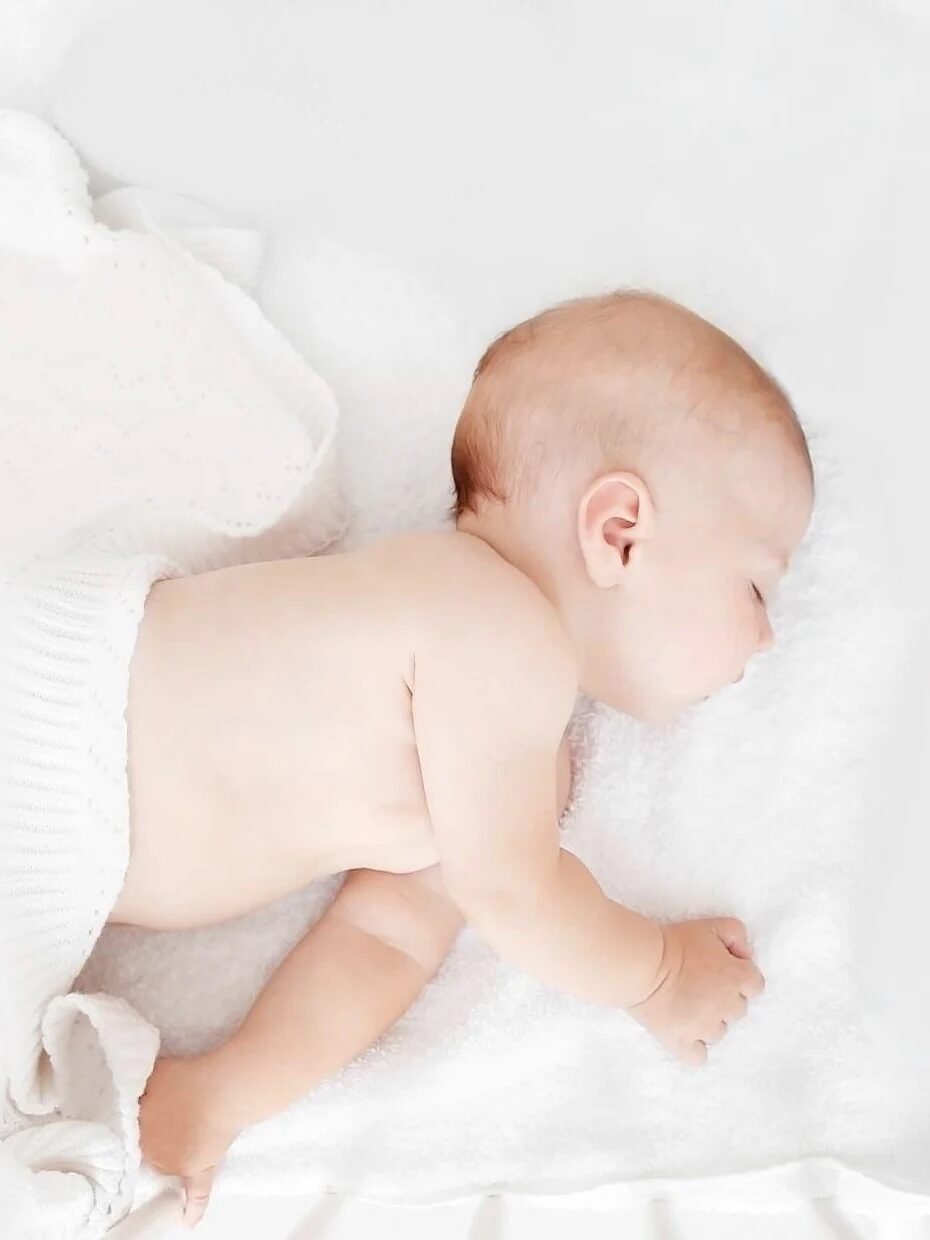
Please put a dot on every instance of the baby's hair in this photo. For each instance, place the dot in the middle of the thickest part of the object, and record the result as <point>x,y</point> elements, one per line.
<point>590,379</point>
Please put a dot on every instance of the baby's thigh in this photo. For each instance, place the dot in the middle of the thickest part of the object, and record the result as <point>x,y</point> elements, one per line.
<point>412,912</point>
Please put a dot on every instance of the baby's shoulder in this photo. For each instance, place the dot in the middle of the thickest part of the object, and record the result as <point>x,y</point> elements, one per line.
<point>473,606</point>
<point>450,570</point>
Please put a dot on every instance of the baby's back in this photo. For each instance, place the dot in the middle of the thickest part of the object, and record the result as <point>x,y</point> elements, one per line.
<point>270,726</point>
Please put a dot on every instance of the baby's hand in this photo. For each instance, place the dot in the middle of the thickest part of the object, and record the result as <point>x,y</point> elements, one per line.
<point>707,978</point>
<point>182,1129</point>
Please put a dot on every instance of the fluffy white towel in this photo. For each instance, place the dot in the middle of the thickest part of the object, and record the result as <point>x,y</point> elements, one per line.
<point>753,806</point>
<point>147,404</point>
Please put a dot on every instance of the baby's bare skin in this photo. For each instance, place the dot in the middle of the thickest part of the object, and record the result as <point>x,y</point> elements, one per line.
<point>271,737</point>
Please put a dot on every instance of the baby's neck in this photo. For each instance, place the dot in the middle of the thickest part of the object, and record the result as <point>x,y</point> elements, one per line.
<point>520,547</point>
<point>496,527</point>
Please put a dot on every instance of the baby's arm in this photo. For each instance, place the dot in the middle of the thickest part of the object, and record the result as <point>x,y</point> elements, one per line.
<point>494,686</point>
<point>354,974</point>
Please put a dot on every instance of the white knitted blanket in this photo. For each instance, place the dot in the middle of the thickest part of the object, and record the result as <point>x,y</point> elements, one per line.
<point>146,405</point>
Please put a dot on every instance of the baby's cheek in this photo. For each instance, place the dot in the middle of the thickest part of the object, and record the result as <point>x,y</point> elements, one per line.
<point>702,646</point>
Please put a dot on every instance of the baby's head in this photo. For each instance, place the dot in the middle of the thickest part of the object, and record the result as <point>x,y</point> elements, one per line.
<point>650,477</point>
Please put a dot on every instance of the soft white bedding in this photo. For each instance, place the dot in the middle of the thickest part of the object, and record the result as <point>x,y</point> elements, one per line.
<point>425,176</point>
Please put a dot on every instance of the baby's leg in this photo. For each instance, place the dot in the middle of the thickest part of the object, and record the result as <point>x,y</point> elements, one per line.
<point>356,972</point>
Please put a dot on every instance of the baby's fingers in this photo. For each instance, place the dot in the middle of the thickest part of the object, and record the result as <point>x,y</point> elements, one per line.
<point>751,981</point>
<point>197,1193</point>
<point>694,1054</point>
<point>736,1009</point>
<point>732,933</point>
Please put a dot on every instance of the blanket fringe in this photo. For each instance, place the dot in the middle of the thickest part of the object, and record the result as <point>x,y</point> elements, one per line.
<point>318,1223</point>
<point>836,1222</point>
<point>659,1223</point>
<point>490,1219</point>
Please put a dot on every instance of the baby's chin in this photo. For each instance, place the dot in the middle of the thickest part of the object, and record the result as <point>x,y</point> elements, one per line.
<point>677,710</point>
<point>661,714</point>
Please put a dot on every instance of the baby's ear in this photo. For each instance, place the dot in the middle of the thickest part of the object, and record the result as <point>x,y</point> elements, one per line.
<point>613,515</point>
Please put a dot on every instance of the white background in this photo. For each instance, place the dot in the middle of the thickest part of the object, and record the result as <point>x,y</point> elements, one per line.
<point>429,173</point>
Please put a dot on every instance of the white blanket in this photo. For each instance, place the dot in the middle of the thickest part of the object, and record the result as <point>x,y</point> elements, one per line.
<point>144,397</point>
<point>765,163</point>
<point>146,404</point>
<point>755,806</point>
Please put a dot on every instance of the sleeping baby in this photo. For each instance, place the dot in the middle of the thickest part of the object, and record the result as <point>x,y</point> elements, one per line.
<point>630,487</point>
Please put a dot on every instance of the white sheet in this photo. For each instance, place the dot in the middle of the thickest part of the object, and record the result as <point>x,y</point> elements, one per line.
<point>430,174</point>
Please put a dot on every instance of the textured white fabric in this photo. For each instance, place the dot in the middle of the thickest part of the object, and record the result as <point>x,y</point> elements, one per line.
<point>68,632</point>
<point>152,422</point>
<point>128,363</point>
